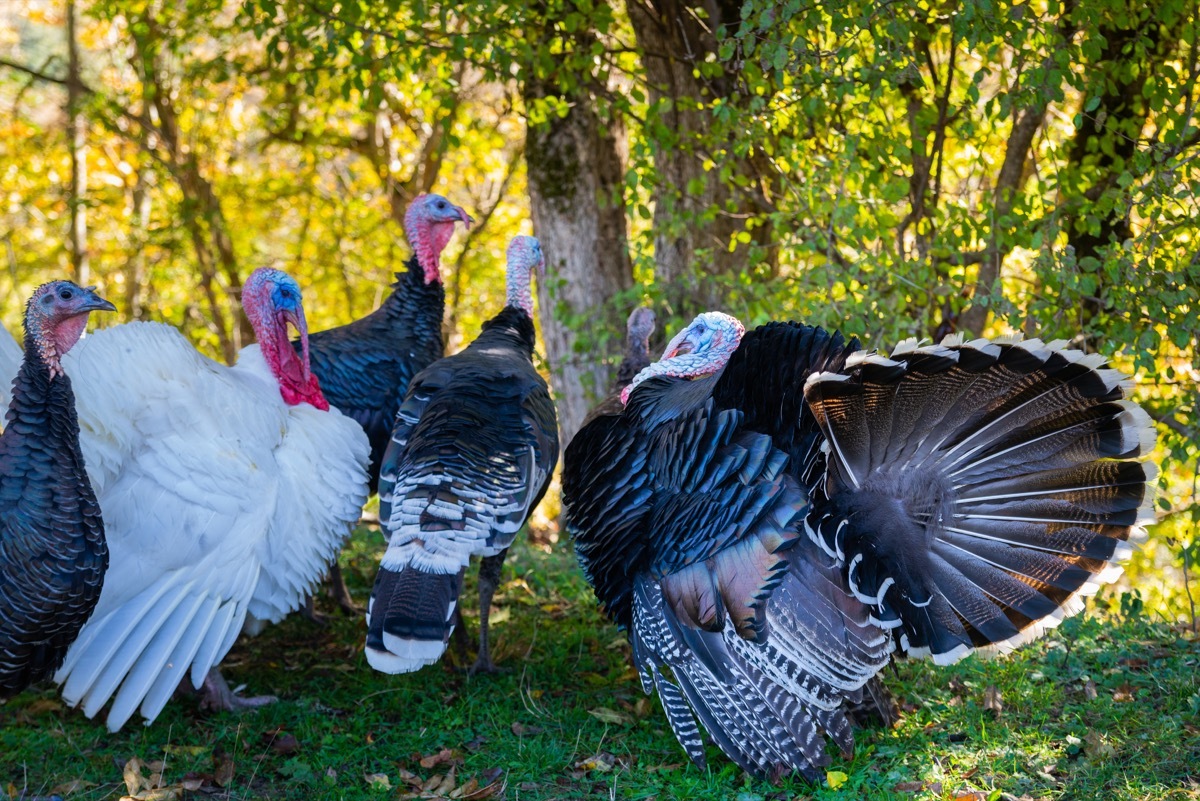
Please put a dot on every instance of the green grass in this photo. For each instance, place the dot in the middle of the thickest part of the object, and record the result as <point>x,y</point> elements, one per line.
<point>568,720</point>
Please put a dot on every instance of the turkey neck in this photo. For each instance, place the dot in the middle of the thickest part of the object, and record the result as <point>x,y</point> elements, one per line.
<point>511,328</point>
<point>41,433</point>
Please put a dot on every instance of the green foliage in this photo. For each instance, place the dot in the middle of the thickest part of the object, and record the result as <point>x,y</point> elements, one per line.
<point>890,170</point>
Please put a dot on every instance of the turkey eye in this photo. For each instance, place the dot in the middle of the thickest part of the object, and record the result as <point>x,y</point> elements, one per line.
<point>65,294</point>
<point>287,293</point>
<point>441,204</point>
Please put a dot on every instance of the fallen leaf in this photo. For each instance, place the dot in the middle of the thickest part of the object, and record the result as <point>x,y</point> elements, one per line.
<point>73,786</point>
<point>909,787</point>
<point>409,778</point>
<point>377,781</point>
<point>445,755</point>
<point>186,750</point>
<point>522,730</point>
<point>41,706</point>
<point>991,700</point>
<point>835,778</point>
<point>670,766</point>
<point>610,715</point>
<point>602,762</point>
<point>1089,690</point>
<point>1096,748</point>
<point>222,768</point>
<point>132,775</point>
<point>970,795</point>
<point>1123,694</point>
<point>283,743</point>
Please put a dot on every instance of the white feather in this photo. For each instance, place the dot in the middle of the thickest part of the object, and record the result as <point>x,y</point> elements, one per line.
<point>10,363</point>
<point>219,500</point>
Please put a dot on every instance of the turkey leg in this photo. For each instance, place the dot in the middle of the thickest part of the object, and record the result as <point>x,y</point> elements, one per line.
<point>341,593</point>
<point>489,579</point>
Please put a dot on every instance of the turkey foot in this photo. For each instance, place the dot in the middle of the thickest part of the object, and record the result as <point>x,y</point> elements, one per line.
<point>489,579</point>
<point>216,695</point>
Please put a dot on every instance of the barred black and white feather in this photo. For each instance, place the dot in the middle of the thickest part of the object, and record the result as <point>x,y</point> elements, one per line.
<point>471,455</point>
<point>954,497</point>
<point>976,491</point>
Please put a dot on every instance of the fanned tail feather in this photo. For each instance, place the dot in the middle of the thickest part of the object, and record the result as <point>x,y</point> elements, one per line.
<point>976,491</point>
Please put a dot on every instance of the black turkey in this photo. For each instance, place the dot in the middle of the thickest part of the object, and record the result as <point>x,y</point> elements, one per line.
<point>364,367</point>
<point>770,516</point>
<point>636,357</point>
<point>475,443</point>
<point>52,549</point>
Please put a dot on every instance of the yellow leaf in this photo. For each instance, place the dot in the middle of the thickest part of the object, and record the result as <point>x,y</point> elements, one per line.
<point>378,781</point>
<point>835,778</point>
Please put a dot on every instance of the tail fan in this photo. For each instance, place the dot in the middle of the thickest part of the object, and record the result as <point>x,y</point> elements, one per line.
<point>410,618</point>
<point>974,492</point>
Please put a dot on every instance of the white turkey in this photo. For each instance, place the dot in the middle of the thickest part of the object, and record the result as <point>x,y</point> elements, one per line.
<point>226,492</point>
<point>770,516</point>
<point>52,548</point>
<point>473,449</point>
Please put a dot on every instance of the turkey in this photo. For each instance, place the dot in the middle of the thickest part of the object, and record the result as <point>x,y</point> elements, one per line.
<point>226,493</point>
<point>771,516</point>
<point>636,358</point>
<point>475,443</point>
<point>638,330</point>
<point>52,548</point>
<point>364,367</point>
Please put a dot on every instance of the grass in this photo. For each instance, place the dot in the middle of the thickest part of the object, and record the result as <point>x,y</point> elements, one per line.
<point>1106,707</point>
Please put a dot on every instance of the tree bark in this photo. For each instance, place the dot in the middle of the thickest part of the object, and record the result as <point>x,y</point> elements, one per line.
<point>696,214</point>
<point>135,268</point>
<point>574,175</point>
<point>77,129</point>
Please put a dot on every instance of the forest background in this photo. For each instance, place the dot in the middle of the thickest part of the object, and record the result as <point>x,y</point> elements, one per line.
<point>891,169</point>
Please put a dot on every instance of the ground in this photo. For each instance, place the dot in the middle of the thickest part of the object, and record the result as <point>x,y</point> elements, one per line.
<point>1107,707</point>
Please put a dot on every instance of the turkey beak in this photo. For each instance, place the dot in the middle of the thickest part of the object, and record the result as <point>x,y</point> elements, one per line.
<point>93,302</point>
<point>678,346</point>
<point>296,318</point>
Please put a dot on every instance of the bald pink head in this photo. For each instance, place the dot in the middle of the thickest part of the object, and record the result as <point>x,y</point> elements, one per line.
<point>701,349</point>
<point>55,317</point>
<point>272,302</point>
<point>429,224</point>
<point>524,256</point>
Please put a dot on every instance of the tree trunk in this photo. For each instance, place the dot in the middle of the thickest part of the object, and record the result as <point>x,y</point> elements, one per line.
<point>574,173</point>
<point>135,268</point>
<point>696,214</point>
<point>77,128</point>
<point>1106,141</point>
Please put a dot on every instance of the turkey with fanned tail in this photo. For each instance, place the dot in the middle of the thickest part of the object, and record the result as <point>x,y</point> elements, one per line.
<point>473,449</point>
<point>226,492</point>
<point>52,547</point>
<point>772,514</point>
